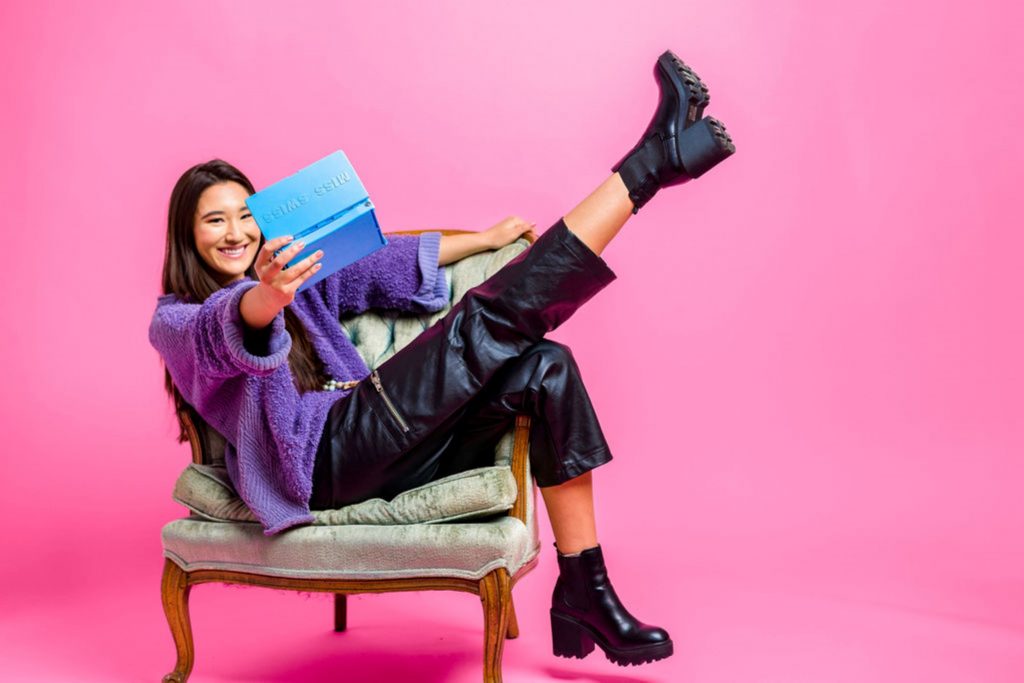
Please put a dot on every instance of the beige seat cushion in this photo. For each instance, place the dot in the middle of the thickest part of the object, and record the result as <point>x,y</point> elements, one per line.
<point>466,550</point>
<point>206,490</point>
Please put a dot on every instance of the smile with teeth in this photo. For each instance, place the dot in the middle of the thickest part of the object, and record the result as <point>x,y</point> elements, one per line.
<point>236,252</point>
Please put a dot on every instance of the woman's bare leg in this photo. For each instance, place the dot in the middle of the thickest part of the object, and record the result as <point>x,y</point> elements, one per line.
<point>600,216</point>
<point>570,507</point>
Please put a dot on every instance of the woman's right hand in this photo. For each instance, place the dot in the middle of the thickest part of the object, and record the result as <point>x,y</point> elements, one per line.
<point>508,230</point>
<point>281,284</point>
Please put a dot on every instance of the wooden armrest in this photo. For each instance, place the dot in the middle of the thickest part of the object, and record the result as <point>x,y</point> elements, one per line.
<point>207,444</point>
<point>520,455</point>
<point>529,238</point>
<point>193,437</point>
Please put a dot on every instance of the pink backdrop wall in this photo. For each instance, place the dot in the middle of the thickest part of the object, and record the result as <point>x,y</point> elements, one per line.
<point>809,368</point>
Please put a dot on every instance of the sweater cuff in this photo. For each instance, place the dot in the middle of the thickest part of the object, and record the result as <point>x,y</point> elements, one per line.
<point>433,291</point>
<point>288,523</point>
<point>249,360</point>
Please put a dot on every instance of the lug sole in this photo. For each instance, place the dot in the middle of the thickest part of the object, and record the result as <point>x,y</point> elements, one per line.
<point>687,81</point>
<point>574,639</point>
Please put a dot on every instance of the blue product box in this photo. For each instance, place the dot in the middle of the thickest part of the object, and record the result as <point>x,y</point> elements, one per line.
<point>326,206</point>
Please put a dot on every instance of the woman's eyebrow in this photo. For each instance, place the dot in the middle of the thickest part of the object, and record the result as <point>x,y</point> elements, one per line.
<point>216,211</point>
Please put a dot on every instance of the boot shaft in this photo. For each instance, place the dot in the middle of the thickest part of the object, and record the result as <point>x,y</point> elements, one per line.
<point>580,576</point>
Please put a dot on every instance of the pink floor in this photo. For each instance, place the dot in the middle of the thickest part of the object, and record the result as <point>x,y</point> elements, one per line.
<point>812,622</point>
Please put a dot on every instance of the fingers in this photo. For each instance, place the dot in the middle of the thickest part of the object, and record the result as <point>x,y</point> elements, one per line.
<point>310,260</point>
<point>284,256</point>
<point>273,270</point>
<point>517,222</point>
<point>304,269</point>
<point>519,227</point>
<point>271,245</point>
<point>266,255</point>
<point>526,228</point>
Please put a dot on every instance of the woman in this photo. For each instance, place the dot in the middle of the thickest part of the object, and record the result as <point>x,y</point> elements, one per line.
<point>310,434</point>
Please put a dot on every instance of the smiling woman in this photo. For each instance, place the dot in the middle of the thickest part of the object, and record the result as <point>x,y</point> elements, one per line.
<point>226,235</point>
<point>441,402</point>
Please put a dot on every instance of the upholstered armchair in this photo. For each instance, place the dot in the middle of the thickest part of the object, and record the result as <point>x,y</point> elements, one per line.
<point>472,531</point>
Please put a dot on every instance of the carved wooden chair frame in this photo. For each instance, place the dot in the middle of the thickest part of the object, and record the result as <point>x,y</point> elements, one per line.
<point>494,589</point>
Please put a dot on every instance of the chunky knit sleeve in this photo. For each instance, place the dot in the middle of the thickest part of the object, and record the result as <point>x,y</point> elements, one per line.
<point>210,341</point>
<point>403,275</point>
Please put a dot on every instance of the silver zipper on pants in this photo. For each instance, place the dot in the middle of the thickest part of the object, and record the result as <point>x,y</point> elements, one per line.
<point>375,378</point>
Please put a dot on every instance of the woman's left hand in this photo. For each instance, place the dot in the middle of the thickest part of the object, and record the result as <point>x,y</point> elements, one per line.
<point>508,231</point>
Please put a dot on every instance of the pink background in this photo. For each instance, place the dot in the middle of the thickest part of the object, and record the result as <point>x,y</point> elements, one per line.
<point>809,368</point>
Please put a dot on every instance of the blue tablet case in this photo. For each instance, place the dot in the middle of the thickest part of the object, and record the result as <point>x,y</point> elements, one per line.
<point>326,206</point>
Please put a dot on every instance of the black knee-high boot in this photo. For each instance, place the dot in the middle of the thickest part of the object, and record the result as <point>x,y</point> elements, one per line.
<point>585,610</point>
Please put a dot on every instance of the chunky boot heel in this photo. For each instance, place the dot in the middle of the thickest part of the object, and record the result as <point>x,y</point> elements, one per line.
<point>568,639</point>
<point>702,146</point>
<point>679,144</point>
<point>585,611</point>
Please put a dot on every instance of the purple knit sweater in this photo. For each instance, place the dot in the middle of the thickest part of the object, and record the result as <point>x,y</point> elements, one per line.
<point>240,383</point>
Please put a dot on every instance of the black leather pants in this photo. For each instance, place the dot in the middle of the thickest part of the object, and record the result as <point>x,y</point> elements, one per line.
<point>445,399</point>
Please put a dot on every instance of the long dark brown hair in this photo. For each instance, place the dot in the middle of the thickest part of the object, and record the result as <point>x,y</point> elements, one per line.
<point>188,276</point>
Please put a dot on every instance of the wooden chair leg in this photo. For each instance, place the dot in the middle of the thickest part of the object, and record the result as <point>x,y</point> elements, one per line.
<point>496,595</point>
<point>513,623</point>
<point>340,611</point>
<point>174,590</point>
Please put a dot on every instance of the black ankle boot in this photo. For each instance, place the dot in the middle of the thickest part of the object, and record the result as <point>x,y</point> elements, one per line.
<point>678,144</point>
<point>585,610</point>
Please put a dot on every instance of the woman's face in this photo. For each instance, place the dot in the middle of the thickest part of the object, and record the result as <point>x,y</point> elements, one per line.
<point>226,235</point>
